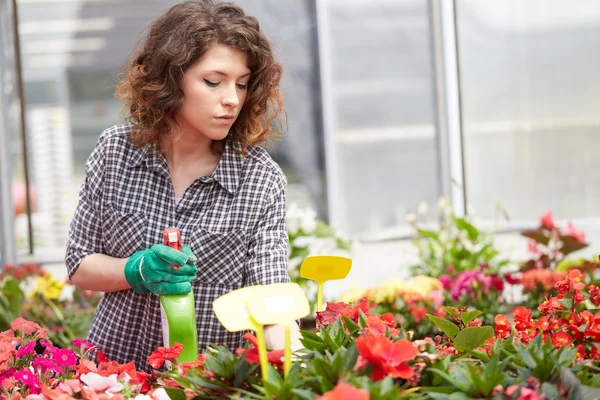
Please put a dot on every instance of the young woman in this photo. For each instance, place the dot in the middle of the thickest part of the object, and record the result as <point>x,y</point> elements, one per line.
<point>201,95</point>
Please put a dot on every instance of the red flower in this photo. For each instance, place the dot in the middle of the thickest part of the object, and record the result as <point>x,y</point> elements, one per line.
<point>419,313</point>
<point>383,324</point>
<point>550,305</point>
<point>523,318</point>
<point>594,292</point>
<point>560,339</point>
<point>101,357</point>
<point>525,393</point>
<point>547,220</point>
<point>593,329</point>
<point>574,233</point>
<point>581,352</point>
<point>388,357</point>
<point>343,391</point>
<point>334,310</point>
<point>274,357</point>
<point>162,354</point>
<point>502,326</point>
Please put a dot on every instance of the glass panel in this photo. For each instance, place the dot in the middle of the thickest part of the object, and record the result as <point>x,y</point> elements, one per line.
<point>385,138</point>
<point>73,53</point>
<point>530,98</point>
<point>10,129</point>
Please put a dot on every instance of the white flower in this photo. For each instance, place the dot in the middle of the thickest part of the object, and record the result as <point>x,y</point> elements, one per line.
<point>160,394</point>
<point>292,219</point>
<point>410,218</point>
<point>308,221</point>
<point>107,384</point>
<point>423,208</point>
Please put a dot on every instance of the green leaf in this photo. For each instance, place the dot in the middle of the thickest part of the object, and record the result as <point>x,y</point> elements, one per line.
<point>460,384</point>
<point>312,341</point>
<point>175,394</point>
<point>428,234</point>
<point>451,310</point>
<point>550,391</point>
<point>449,328</point>
<point>304,394</point>
<point>588,392</point>
<point>472,338</point>
<point>350,358</point>
<point>469,316</point>
<point>464,225</point>
<point>14,295</point>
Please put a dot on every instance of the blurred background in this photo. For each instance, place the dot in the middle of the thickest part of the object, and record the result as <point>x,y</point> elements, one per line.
<point>391,105</point>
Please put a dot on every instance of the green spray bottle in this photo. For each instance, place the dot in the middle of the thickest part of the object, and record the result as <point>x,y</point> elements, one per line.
<point>178,312</point>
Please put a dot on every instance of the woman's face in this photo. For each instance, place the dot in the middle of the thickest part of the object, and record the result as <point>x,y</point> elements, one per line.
<point>214,92</point>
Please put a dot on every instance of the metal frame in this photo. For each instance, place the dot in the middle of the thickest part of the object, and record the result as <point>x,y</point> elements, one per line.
<point>448,102</point>
<point>328,112</point>
<point>8,248</point>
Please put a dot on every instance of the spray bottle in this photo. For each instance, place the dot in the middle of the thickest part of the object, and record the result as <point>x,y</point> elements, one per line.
<point>178,313</point>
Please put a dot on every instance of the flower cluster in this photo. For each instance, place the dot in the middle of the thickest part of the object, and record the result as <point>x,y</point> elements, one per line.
<point>563,320</point>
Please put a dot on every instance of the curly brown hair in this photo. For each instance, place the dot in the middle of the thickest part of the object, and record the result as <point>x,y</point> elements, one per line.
<point>151,87</point>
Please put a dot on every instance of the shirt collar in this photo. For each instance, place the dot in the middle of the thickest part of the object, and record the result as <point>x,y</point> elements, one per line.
<point>227,173</point>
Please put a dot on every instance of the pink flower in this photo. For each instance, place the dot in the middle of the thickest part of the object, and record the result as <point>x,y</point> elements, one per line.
<point>70,387</point>
<point>436,297</point>
<point>29,379</point>
<point>547,220</point>
<point>446,281</point>
<point>26,349</point>
<point>533,247</point>
<point>82,344</point>
<point>7,373</point>
<point>107,384</point>
<point>46,364</point>
<point>65,357</point>
<point>574,233</point>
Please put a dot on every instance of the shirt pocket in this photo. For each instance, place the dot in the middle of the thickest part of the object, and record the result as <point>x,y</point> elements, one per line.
<point>123,232</point>
<point>221,256</point>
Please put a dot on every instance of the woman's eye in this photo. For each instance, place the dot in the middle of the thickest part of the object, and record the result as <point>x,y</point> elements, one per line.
<point>211,84</point>
<point>242,86</point>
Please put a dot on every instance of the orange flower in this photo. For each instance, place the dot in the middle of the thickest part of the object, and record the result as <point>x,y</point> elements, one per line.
<point>7,352</point>
<point>388,357</point>
<point>85,366</point>
<point>24,326</point>
<point>162,354</point>
<point>343,391</point>
<point>274,357</point>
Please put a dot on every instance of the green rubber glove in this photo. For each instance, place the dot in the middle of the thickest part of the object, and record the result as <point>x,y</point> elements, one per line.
<point>152,270</point>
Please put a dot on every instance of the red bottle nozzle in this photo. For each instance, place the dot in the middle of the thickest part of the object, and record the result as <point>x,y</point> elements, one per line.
<point>172,238</point>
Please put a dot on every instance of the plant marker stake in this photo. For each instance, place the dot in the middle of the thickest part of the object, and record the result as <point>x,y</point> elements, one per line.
<point>232,313</point>
<point>322,269</point>
<point>279,304</point>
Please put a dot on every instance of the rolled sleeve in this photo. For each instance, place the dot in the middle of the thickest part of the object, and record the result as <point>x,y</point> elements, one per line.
<point>85,232</point>
<point>268,249</point>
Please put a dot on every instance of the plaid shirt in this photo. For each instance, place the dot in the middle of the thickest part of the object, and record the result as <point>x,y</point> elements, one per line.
<point>233,220</point>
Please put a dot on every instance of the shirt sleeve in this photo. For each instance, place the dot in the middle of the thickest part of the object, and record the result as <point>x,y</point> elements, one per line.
<point>268,249</point>
<point>85,232</point>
